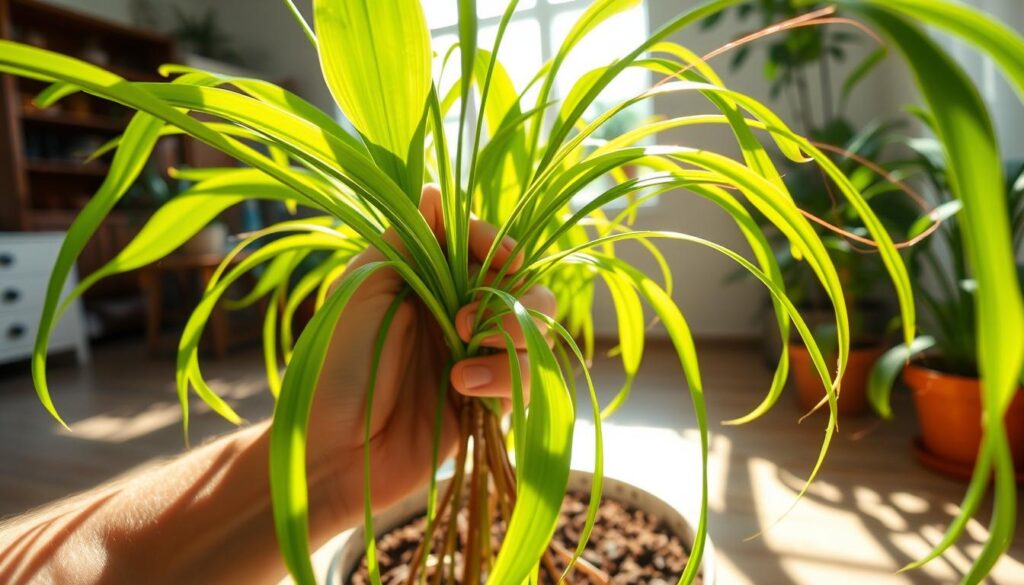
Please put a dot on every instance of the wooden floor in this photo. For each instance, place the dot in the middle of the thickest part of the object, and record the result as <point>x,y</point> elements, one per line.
<point>872,510</point>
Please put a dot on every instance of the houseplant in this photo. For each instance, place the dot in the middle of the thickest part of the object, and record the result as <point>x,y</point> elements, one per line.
<point>940,368</point>
<point>376,58</point>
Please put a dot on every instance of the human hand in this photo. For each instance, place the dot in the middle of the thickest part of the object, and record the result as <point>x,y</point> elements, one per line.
<point>409,375</point>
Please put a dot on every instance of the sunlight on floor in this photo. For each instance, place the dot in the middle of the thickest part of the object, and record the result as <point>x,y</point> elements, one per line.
<point>129,422</point>
<point>111,428</point>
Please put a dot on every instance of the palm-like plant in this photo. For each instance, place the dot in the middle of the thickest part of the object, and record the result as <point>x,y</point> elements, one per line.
<point>512,167</point>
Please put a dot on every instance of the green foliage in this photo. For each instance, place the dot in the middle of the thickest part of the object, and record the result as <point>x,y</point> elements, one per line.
<point>202,34</point>
<point>520,174</point>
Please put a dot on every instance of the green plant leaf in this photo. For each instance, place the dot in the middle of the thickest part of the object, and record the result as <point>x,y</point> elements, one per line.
<point>543,466</point>
<point>188,346</point>
<point>139,140</point>
<point>376,58</point>
<point>369,537</point>
<point>288,488</point>
<point>884,372</point>
<point>975,176</point>
<point>630,318</point>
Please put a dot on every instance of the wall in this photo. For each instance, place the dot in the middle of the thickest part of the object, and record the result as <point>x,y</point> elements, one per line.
<point>251,24</point>
<point>115,10</point>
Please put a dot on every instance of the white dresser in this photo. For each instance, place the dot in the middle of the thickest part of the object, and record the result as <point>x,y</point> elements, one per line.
<point>26,259</point>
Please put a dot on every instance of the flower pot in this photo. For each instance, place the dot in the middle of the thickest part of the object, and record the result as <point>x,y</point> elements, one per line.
<point>949,413</point>
<point>350,549</point>
<point>853,391</point>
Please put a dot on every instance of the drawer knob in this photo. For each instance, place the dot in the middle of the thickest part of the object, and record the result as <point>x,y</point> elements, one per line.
<point>6,259</point>
<point>16,331</point>
<point>10,296</point>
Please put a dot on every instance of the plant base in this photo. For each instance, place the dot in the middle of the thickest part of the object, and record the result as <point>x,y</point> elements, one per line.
<point>949,412</point>
<point>954,469</point>
<point>624,565</point>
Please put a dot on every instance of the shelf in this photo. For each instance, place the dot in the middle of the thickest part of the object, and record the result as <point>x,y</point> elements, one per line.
<point>71,168</point>
<point>92,122</point>
<point>46,218</point>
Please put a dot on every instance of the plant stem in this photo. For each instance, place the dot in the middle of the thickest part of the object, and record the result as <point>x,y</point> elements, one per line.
<point>448,550</point>
<point>428,537</point>
<point>548,562</point>
<point>486,512</point>
<point>471,562</point>
<point>584,566</point>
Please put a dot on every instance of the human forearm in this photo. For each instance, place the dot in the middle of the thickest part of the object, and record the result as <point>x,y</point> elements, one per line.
<point>204,517</point>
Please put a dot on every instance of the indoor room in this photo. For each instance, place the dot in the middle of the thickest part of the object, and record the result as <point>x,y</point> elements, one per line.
<point>511,291</point>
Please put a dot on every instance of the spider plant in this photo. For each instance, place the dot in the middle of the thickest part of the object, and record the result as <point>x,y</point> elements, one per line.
<point>517,164</point>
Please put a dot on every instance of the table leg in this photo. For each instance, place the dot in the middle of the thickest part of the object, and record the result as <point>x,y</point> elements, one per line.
<point>149,282</point>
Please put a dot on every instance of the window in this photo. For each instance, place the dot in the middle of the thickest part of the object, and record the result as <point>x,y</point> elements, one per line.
<point>534,35</point>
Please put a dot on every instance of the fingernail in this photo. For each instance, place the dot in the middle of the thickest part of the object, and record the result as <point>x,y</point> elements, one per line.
<point>470,320</point>
<point>508,243</point>
<point>476,376</point>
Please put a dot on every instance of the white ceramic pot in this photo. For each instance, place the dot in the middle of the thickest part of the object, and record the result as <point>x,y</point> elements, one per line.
<point>350,550</point>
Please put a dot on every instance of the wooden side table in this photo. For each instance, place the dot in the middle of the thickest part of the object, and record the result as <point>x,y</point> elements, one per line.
<point>183,266</point>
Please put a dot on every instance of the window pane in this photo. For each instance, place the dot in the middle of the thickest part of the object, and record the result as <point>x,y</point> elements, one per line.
<point>440,45</point>
<point>520,50</point>
<point>445,13</point>
<point>441,13</point>
<point>611,40</point>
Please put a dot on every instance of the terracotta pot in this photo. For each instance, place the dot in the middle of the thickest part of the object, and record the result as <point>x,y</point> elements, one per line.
<point>350,549</point>
<point>949,413</point>
<point>853,391</point>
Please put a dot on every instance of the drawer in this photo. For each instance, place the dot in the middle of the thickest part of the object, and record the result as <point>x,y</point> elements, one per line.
<point>19,329</point>
<point>20,292</point>
<point>15,352</point>
<point>28,252</point>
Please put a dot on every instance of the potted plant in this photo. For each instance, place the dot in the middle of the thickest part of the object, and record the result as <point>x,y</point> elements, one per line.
<point>941,368</point>
<point>519,175</point>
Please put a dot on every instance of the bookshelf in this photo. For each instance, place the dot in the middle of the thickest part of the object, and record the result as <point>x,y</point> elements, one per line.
<point>44,179</point>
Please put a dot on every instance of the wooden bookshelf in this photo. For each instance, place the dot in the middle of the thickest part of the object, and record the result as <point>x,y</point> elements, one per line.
<point>44,179</point>
<point>102,123</point>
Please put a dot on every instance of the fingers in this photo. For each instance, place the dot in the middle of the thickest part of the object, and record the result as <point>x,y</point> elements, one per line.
<point>490,376</point>
<point>538,298</point>
<point>482,235</point>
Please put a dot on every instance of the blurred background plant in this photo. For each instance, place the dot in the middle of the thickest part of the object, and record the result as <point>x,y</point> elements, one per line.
<point>789,58</point>
<point>203,35</point>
